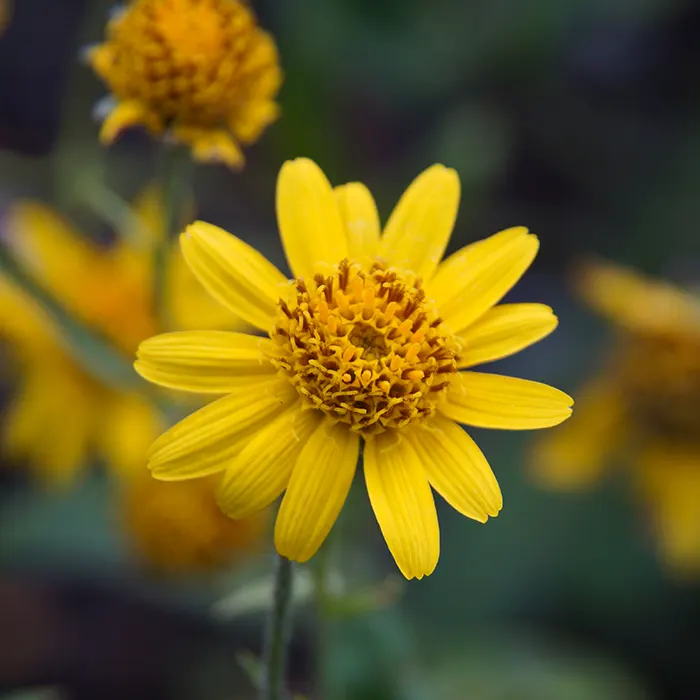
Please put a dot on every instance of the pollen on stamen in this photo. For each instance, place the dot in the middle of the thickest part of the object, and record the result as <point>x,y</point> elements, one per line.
<point>364,346</point>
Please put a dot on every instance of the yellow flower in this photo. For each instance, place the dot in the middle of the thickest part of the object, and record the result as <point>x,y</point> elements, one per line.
<point>177,528</point>
<point>645,404</point>
<point>364,346</point>
<point>200,70</point>
<point>61,415</point>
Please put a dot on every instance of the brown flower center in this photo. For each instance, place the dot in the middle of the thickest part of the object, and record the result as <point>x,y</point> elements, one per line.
<point>365,346</point>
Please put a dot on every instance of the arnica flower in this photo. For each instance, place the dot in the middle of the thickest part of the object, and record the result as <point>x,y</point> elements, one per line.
<point>643,407</point>
<point>60,415</point>
<point>177,529</point>
<point>365,346</point>
<point>200,70</point>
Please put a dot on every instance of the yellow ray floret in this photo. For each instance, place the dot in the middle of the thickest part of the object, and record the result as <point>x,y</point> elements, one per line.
<point>363,346</point>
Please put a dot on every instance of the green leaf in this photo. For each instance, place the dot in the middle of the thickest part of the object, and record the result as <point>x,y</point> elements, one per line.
<point>256,596</point>
<point>251,666</point>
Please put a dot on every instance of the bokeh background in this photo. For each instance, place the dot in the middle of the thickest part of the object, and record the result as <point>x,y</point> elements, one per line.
<point>577,118</point>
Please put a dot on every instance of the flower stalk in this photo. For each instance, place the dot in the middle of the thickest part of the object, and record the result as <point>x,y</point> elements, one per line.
<point>176,171</point>
<point>321,585</point>
<point>278,632</point>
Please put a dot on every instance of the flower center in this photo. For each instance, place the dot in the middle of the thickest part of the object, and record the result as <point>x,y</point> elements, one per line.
<point>187,60</point>
<point>661,377</point>
<point>190,29</point>
<point>365,347</point>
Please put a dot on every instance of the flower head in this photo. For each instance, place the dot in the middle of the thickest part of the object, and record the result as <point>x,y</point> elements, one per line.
<point>61,415</point>
<point>177,528</point>
<point>645,404</point>
<point>365,346</point>
<point>202,70</point>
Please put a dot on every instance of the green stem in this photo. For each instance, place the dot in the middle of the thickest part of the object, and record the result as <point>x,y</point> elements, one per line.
<point>323,624</point>
<point>176,170</point>
<point>278,631</point>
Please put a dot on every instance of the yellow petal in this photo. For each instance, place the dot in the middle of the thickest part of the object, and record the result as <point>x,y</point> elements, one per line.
<point>359,213</point>
<point>418,230</point>
<point>209,362</point>
<point>66,443</point>
<point>51,423</point>
<point>504,330</point>
<point>670,480</point>
<point>100,58</point>
<point>126,115</point>
<point>403,503</point>
<point>493,401</point>
<point>52,251</point>
<point>189,305</point>
<point>475,278</point>
<point>312,231</point>
<point>456,468</point>
<point>573,455</point>
<point>636,302</point>
<point>210,145</point>
<point>233,272</point>
<point>252,118</point>
<point>261,471</point>
<point>130,425</point>
<point>24,322</point>
<point>206,441</point>
<point>317,490</point>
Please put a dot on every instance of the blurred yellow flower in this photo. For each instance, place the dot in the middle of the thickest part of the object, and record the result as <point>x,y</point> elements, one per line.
<point>200,70</point>
<point>177,528</point>
<point>645,404</point>
<point>60,415</point>
<point>364,346</point>
<point>5,13</point>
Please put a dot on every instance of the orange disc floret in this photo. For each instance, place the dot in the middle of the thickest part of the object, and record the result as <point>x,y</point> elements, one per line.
<point>365,347</point>
<point>201,69</point>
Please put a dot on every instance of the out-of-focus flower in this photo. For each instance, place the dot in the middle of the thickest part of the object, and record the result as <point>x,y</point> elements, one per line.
<point>177,528</point>
<point>365,345</point>
<point>60,415</point>
<point>200,70</point>
<point>5,11</point>
<point>644,406</point>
